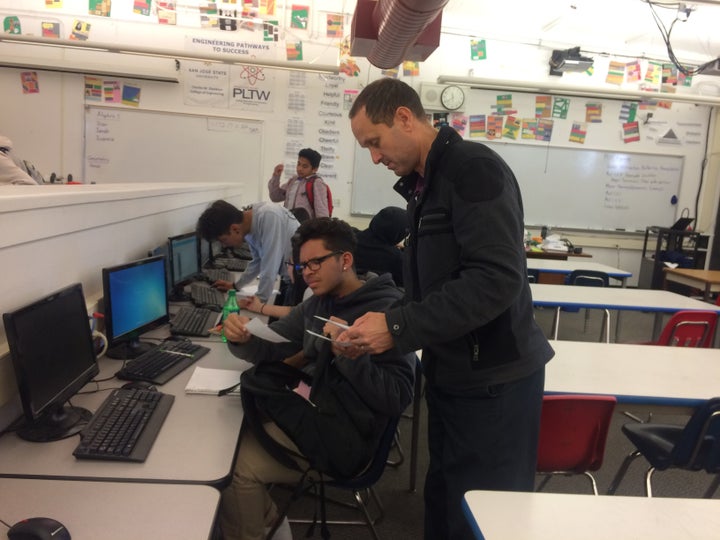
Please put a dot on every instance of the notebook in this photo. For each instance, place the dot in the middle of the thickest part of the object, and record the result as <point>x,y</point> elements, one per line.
<point>215,382</point>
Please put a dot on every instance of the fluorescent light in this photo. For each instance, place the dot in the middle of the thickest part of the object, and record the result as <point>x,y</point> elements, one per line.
<point>168,53</point>
<point>582,91</point>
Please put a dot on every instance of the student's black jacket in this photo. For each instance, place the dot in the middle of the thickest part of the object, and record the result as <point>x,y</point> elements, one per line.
<point>467,304</point>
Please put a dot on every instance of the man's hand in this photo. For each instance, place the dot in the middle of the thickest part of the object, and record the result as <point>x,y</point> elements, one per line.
<point>234,328</point>
<point>368,335</point>
<point>222,285</point>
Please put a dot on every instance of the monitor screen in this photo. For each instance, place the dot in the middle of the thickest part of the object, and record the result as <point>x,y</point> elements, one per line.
<point>52,351</point>
<point>135,302</point>
<point>184,258</point>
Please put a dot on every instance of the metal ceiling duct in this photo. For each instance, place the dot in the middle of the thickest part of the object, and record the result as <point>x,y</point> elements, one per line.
<point>388,32</point>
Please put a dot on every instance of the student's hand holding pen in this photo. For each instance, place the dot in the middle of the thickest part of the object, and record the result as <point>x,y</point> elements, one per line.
<point>234,328</point>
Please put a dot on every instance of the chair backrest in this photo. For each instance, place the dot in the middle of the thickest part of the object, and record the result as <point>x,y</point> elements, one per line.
<point>573,432</point>
<point>533,275</point>
<point>689,329</point>
<point>588,278</point>
<point>699,445</point>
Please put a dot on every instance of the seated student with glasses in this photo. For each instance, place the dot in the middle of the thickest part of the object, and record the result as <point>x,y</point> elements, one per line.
<point>385,381</point>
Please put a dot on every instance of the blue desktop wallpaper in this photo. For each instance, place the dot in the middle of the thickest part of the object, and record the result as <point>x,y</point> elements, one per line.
<point>138,296</point>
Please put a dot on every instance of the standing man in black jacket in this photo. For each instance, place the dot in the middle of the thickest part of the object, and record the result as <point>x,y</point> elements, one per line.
<point>467,306</point>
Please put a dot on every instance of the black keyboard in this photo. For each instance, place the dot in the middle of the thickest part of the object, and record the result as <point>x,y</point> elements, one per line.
<point>162,363</point>
<point>204,295</point>
<point>232,264</point>
<point>125,426</point>
<point>215,274</point>
<point>194,321</point>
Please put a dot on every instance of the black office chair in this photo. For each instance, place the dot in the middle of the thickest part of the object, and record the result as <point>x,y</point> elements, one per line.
<point>693,447</point>
<point>586,278</point>
<point>361,487</point>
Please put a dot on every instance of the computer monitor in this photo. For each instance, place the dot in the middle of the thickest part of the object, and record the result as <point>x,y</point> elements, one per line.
<point>135,297</point>
<point>52,352</point>
<point>184,261</point>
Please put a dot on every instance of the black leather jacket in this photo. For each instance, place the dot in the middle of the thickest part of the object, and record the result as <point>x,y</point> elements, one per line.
<point>468,303</point>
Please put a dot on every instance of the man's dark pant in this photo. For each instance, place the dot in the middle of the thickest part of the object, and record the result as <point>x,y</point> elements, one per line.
<point>487,441</point>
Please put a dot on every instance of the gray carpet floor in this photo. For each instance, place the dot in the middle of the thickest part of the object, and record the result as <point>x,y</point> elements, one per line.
<point>404,509</point>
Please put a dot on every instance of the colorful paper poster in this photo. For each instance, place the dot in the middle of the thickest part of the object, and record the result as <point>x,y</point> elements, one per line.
<point>392,73</point>
<point>632,70</point>
<point>511,130</point>
<point>11,25</point>
<point>142,7</point>
<point>93,89</point>
<point>349,96</point>
<point>349,67</point>
<point>112,92</point>
<point>80,30</point>
<point>631,132</point>
<point>458,121</point>
<point>478,49</point>
<point>50,29</point>
<point>669,74</point>
<point>101,8</point>
<point>543,106</point>
<point>131,95</point>
<point>411,69</point>
<point>266,7</point>
<point>271,31</point>
<point>589,71</point>
<point>653,72</point>
<point>503,105</point>
<point>494,127</point>
<point>628,111</point>
<point>209,21</point>
<point>593,113</point>
<point>544,129</point>
<point>477,125</point>
<point>208,8</point>
<point>334,25</point>
<point>54,4</point>
<point>648,104</point>
<point>561,106</point>
<point>684,80</point>
<point>166,13</point>
<point>29,81</point>
<point>529,128</point>
<point>299,16</point>
<point>293,51</point>
<point>616,73</point>
<point>578,132</point>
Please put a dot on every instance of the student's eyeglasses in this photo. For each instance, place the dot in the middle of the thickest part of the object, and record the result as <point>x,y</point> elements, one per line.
<point>313,264</point>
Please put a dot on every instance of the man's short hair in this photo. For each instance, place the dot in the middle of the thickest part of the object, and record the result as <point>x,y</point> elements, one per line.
<point>313,156</point>
<point>217,219</point>
<point>381,98</point>
<point>335,234</point>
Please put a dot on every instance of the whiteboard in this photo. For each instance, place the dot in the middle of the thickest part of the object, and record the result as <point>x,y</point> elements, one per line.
<point>140,145</point>
<point>561,187</point>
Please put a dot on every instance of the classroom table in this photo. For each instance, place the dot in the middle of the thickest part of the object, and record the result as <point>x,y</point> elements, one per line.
<point>506,515</point>
<point>656,301</point>
<point>707,281</point>
<point>554,271</point>
<point>642,377</point>
<point>196,445</point>
<point>113,510</point>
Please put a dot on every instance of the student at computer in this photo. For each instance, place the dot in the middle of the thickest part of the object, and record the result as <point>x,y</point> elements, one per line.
<point>304,190</point>
<point>385,380</point>
<point>13,170</point>
<point>266,228</point>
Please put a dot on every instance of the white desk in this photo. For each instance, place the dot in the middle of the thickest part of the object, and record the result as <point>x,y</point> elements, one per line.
<point>657,301</point>
<point>504,515</point>
<point>112,511</point>
<point>646,375</point>
<point>197,443</point>
<point>564,268</point>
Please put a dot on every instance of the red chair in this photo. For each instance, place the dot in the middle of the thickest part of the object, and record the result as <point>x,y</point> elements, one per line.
<point>689,329</point>
<point>573,432</point>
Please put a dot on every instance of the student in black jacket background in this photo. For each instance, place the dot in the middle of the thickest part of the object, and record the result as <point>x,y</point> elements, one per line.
<point>378,248</point>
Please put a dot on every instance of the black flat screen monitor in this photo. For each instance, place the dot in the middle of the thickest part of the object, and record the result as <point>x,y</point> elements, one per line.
<point>53,356</point>
<point>135,297</point>
<point>184,261</point>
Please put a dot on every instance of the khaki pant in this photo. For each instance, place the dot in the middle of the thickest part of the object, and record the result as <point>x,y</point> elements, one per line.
<point>246,507</point>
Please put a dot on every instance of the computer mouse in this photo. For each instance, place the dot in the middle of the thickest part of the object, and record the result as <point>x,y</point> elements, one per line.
<point>38,528</point>
<point>139,385</point>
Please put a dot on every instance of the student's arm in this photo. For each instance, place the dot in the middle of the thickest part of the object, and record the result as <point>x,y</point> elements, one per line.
<point>11,172</point>
<point>256,305</point>
<point>320,201</point>
<point>277,193</point>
